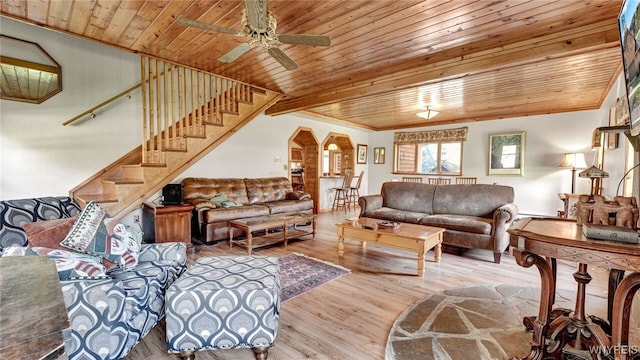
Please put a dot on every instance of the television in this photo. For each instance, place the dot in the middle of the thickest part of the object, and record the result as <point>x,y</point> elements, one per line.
<point>629,26</point>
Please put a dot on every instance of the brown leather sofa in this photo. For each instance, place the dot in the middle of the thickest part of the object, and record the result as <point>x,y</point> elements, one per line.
<point>474,216</point>
<point>256,197</point>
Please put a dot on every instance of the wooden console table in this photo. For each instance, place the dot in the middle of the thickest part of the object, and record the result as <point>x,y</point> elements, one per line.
<point>556,332</point>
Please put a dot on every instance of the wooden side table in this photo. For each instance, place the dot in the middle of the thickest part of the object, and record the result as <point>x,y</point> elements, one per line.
<point>167,223</point>
<point>556,331</point>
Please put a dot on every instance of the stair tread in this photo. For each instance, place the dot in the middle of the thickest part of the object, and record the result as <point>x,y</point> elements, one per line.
<point>99,198</point>
<point>125,181</point>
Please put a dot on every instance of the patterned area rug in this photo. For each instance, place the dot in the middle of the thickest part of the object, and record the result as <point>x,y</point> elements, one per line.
<point>300,273</point>
<point>477,322</point>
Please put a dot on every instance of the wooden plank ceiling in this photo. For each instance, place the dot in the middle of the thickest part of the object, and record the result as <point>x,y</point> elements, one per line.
<point>388,59</point>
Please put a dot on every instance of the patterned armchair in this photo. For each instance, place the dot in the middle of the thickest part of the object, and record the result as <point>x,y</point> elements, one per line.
<point>108,316</point>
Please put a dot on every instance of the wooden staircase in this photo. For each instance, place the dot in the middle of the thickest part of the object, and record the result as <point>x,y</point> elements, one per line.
<point>187,113</point>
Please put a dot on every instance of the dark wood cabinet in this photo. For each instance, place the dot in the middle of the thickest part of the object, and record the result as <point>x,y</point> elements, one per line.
<point>167,223</point>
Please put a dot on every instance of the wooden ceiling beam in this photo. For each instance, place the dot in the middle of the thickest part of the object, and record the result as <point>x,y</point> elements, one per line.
<point>451,64</point>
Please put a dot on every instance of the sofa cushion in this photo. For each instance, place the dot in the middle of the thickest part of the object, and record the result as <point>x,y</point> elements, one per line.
<point>469,224</point>
<point>474,200</point>
<point>267,189</point>
<point>49,233</point>
<point>199,204</point>
<point>205,188</point>
<point>390,214</point>
<point>90,235</point>
<point>284,206</point>
<point>225,214</point>
<point>297,195</point>
<point>408,196</point>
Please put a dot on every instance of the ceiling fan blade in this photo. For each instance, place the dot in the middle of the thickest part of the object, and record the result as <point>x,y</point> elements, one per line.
<point>201,25</point>
<point>282,58</point>
<point>257,14</point>
<point>235,53</point>
<point>303,39</point>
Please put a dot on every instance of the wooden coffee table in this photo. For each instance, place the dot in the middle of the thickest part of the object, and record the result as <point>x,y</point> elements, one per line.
<point>418,238</point>
<point>271,222</point>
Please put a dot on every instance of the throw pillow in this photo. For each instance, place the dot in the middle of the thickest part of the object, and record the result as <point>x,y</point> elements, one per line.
<point>72,265</point>
<point>90,235</point>
<point>221,200</point>
<point>49,233</point>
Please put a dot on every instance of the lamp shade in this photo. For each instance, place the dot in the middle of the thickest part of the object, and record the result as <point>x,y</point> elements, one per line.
<point>573,160</point>
<point>593,172</point>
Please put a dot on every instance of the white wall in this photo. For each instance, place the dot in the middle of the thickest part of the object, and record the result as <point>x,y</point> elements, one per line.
<point>39,156</point>
<point>32,137</point>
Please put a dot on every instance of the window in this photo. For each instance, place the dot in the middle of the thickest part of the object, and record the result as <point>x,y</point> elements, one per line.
<point>429,152</point>
<point>429,158</point>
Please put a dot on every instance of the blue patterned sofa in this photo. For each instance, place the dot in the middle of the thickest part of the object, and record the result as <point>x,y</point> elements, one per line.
<point>108,316</point>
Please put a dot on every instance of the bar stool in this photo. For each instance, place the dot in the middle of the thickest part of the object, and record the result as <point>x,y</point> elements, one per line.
<point>341,198</point>
<point>354,191</point>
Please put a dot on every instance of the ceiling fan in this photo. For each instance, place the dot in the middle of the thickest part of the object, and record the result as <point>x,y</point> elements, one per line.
<point>259,25</point>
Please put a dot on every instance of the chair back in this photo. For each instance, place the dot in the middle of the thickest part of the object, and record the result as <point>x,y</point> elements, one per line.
<point>348,178</point>
<point>359,181</point>
<point>466,180</point>
<point>440,181</point>
<point>415,179</point>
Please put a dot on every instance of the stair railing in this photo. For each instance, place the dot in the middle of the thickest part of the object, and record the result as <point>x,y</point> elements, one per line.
<point>104,103</point>
<point>177,102</point>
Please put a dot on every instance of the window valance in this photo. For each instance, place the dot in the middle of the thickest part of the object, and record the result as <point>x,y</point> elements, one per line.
<point>421,137</point>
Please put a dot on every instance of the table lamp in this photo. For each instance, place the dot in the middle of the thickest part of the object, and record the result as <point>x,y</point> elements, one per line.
<point>593,173</point>
<point>573,161</point>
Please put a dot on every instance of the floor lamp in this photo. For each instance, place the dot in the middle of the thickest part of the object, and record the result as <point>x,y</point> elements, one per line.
<point>573,161</point>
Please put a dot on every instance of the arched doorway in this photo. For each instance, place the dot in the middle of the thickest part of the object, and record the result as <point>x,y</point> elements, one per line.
<point>304,164</point>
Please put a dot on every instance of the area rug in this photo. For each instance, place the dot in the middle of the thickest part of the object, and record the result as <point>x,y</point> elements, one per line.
<point>478,322</point>
<point>300,273</point>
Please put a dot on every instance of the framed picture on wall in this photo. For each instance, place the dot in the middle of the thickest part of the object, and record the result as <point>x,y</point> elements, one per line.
<point>378,155</point>
<point>506,153</point>
<point>362,154</point>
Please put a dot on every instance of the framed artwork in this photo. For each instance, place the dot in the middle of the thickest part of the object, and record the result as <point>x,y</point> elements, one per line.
<point>506,153</point>
<point>378,155</point>
<point>362,154</point>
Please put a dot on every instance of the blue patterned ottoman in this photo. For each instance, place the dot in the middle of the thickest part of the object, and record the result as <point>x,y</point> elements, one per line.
<point>223,303</point>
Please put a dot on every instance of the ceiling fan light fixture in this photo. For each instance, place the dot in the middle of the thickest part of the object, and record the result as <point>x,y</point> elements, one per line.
<point>259,25</point>
<point>428,114</point>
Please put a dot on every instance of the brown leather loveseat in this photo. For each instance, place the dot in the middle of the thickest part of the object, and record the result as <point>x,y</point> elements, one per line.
<point>247,198</point>
<point>474,216</point>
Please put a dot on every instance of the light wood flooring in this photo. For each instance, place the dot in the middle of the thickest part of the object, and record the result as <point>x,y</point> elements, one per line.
<point>350,317</point>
